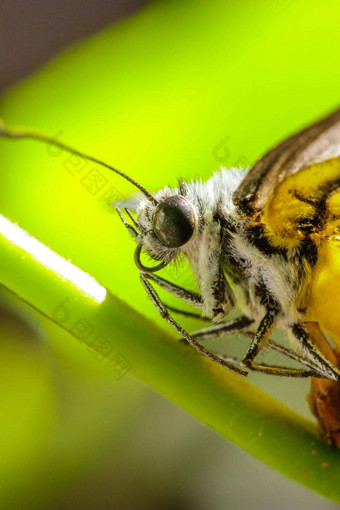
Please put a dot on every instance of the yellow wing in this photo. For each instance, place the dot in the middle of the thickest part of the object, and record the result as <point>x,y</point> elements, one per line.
<point>305,203</point>
<point>308,203</point>
<point>316,143</point>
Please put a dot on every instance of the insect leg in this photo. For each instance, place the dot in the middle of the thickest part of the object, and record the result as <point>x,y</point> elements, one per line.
<point>129,227</point>
<point>229,328</point>
<point>290,354</point>
<point>229,363</point>
<point>261,338</point>
<point>262,335</point>
<point>190,297</point>
<point>217,327</point>
<point>282,371</point>
<point>312,353</point>
<point>185,313</point>
<point>225,328</point>
<point>238,326</point>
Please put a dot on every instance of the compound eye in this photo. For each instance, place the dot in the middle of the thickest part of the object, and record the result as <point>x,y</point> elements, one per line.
<point>174,222</point>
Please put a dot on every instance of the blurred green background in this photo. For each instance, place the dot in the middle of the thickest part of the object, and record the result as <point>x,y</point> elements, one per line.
<point>176,89</point>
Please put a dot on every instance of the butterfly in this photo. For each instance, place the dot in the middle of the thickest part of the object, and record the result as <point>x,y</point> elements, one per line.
<point>266,240</point>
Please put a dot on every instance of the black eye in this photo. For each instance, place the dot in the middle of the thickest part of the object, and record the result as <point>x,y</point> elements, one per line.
<point>174,222</point>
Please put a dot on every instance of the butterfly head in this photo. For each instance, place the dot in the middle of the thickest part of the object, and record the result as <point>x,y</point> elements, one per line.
<point>164,225</point>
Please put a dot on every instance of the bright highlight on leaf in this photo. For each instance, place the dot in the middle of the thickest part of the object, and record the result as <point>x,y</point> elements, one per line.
<point>64,268</point>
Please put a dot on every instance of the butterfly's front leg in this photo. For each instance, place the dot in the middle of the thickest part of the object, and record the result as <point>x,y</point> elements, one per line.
<point>227,362</point>
<point>215,301</point>
<point>189,296</point>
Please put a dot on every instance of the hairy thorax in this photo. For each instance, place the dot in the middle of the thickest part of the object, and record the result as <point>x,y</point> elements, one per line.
<point>262,275</point>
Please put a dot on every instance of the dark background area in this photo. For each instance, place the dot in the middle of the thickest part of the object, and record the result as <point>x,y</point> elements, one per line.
<point>33,31</point>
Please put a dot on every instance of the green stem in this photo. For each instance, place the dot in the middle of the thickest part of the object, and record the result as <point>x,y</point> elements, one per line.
<point>222,400</point>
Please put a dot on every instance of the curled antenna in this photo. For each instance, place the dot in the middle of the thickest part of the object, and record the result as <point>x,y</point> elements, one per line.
<point>43,138</point>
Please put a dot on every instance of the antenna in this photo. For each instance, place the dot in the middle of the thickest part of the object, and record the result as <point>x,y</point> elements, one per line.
<point>44,138</point>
